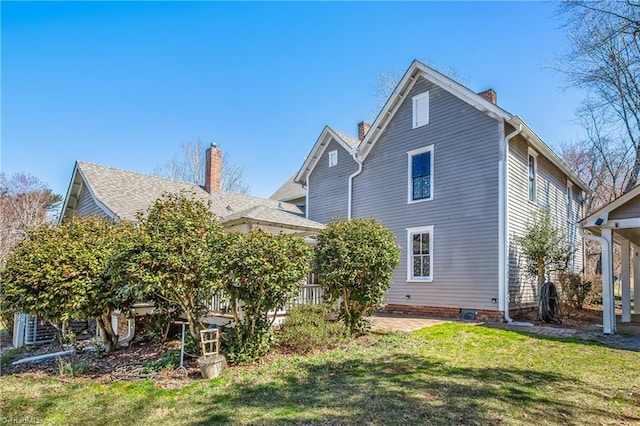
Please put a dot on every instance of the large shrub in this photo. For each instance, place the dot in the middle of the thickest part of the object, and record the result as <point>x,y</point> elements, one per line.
<point>307,329</point>
<point>59,272</point>
<point>354,261</point>
<point>264,273</point>
<point>175,259</point>
<point>575,291</point>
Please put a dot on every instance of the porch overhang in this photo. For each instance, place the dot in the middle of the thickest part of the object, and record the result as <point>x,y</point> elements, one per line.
<point>617,223</point>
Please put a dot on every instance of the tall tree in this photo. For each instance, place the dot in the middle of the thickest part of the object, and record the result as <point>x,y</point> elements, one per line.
<point>601,160</point>
<point>605,60</point>
<point>189,166</point>
<point>25,202</point>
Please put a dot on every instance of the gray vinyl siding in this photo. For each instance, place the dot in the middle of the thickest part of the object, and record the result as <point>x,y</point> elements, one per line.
<point>464,209</point>
<point>551,189</point>
<point>329,186</point>
<point>87,206</point>
<point>629,210</point>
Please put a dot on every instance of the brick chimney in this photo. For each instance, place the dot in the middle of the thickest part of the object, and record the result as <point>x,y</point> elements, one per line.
<point>490,95</point>
<point>363,128</point>
<point>213,168</point>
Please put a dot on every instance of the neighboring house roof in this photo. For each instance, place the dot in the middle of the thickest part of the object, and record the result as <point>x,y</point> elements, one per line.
<point>416,70</point>
<point>289,190</point>
<point>121,194</point>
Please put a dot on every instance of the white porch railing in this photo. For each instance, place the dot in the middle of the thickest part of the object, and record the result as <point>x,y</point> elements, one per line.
<point>308,294</point>
<point>218,303</point>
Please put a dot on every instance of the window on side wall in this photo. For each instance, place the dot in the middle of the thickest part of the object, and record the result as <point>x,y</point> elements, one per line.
<point>420,254</point>
<point>571,225</point>
<point>532,167</point>
<point>333,158</point>
<point>420,178</point>
<point>420,110</point>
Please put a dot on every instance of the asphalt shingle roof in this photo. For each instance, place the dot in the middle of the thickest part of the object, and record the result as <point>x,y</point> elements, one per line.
<point>351,141</point>
<point>125,193</point>
<point>267,214</point>
<point>289,190</point>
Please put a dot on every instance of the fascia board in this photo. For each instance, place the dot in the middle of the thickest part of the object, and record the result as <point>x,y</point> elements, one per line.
<point>316,152</point>
<point>548,153</point>
<point>418,69</point>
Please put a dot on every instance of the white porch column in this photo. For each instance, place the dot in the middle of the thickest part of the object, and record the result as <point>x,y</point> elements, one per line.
<point>608,302</point>
<point>626,280</point>
<point>636,280</point>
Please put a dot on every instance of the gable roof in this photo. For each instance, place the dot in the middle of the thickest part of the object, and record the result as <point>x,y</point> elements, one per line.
<point>121,194</point>
<point>406,83</point>
<point>328,134</point>
<point>349,140</point>
<point>603,212</point>
<point>290,190</point>
<point>269,216</point>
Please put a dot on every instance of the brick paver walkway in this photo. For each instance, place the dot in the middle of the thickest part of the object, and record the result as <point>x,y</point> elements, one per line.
<point>397,322</point>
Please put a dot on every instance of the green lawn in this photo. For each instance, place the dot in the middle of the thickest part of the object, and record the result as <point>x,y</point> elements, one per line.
<point>446,374</point>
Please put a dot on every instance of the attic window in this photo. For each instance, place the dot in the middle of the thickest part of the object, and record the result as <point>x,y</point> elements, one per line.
<point>333,158</point>
<point>420,110</point>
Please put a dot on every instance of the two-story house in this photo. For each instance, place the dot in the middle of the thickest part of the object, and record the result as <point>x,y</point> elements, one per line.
<point>456,178</point>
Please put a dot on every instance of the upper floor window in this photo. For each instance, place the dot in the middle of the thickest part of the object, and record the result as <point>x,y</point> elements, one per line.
<point>333,158</point>
<point>420,254</point>
<point>420,110</point>
<point>570,216</point>
<point>532,174</point>
<point>420,174</point>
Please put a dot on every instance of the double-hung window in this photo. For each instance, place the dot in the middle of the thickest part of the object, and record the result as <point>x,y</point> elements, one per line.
<point>532,169</point>
<point>420,254</point>
<point>420,174</point>
<point>571,225</point>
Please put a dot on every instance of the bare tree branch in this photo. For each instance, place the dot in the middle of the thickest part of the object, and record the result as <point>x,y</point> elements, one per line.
<point>25,203</point>
<point>605,60</point>
<point>189,166</point>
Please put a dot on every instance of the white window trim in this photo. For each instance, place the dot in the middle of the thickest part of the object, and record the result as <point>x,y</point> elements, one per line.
<point>410,155</point>
<point>533,154</point>
<point>415,100</point>
<point>333,158</point>
<point>410,232</point>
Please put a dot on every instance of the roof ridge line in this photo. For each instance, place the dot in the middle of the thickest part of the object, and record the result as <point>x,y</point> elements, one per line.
<point>139,173</point>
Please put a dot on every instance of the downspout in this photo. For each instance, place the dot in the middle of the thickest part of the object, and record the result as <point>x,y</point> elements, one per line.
<point>503,232</point>
<point>357,172</point>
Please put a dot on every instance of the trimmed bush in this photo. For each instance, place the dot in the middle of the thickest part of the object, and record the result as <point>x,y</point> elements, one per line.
<point>354,261</point>
<point>306,329</point>
<point>574,290</point>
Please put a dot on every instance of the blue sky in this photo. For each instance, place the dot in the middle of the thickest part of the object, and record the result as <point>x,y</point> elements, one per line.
<point>124,84</point>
